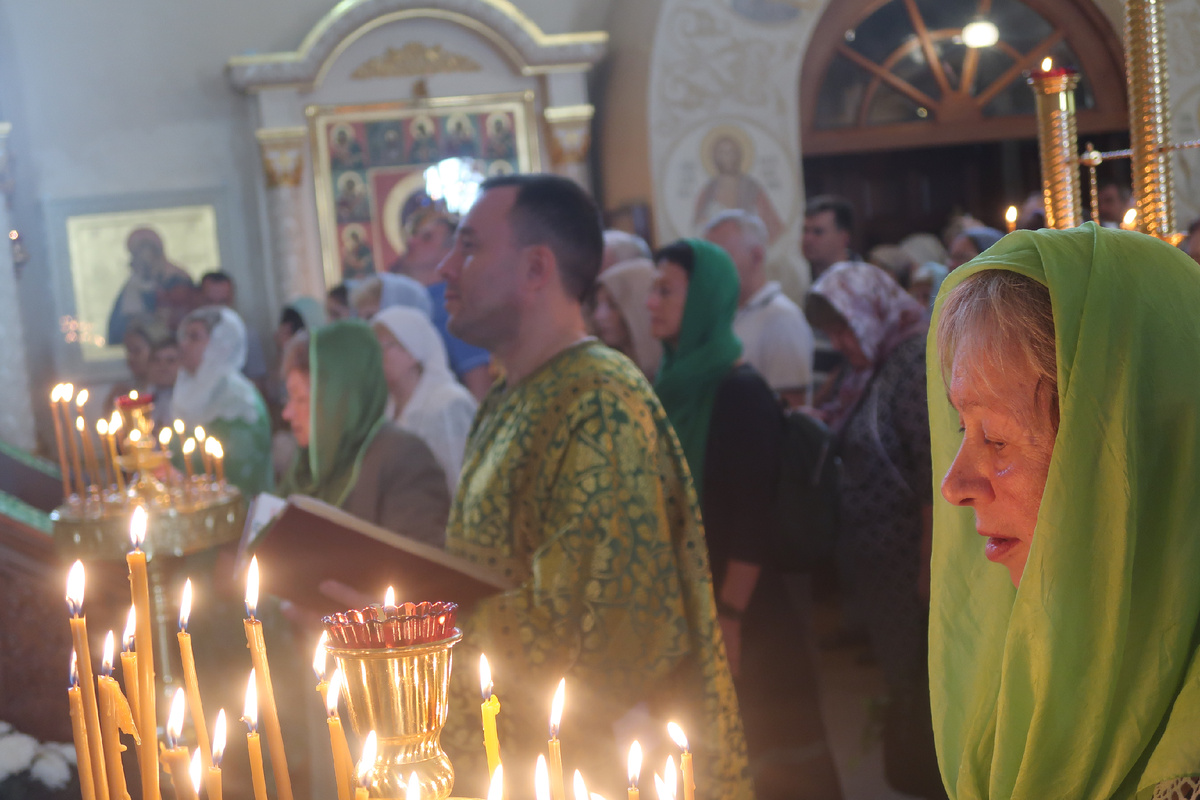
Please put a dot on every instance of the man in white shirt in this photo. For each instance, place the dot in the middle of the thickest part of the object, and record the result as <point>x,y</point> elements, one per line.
<point>776,338</point>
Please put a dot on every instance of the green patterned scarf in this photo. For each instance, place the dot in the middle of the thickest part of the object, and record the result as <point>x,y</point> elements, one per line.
<point>707,349</point>
<point>1085,681</point>
<point>346,411</point>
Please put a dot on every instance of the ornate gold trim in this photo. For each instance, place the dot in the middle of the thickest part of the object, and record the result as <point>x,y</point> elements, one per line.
<point>577,113</point>
<point>413,60</point>
<point>282,151</point>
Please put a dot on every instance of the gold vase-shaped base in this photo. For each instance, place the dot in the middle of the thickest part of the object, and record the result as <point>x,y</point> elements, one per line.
<point>402,694</point>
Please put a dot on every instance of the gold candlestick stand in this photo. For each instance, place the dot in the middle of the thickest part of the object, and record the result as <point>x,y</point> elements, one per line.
<point>1054,93</point>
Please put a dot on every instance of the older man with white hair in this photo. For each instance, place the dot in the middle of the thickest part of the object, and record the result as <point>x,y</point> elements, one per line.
<point>776,337</point>
<point>622,246</point>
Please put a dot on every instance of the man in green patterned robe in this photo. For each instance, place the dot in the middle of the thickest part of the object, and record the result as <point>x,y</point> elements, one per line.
<point>575,487</point>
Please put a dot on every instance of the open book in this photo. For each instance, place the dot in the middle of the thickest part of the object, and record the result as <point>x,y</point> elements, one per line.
<point>301,542</point>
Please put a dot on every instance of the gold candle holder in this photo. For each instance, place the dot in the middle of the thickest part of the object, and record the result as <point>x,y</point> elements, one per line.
<point>1149,116</point>
<point>401,693</point>
<point>1058,144</point>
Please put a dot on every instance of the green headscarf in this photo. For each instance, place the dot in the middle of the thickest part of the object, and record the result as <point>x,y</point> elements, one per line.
<point>707,349</point>
<point>1085,682</point>
<point>346,410</point>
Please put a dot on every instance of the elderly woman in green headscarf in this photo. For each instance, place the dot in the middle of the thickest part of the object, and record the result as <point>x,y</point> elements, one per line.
<point>1065,417</point>
<point>350,456</point>
<point>731,426</point>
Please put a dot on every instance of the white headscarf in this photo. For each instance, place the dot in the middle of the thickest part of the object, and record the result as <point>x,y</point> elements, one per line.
<point>217,389</point>
<point>440,409</point>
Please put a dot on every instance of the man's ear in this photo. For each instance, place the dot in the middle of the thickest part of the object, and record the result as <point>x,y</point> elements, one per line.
<point>540,266</point>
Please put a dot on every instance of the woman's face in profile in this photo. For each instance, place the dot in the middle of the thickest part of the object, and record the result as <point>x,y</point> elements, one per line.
<point>192,346</point>
<point>668,298</point>
<point>1001,467</point>
<point>610,324</point>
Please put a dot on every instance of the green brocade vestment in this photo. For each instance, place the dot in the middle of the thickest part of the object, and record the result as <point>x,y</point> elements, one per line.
<point>575,486</point>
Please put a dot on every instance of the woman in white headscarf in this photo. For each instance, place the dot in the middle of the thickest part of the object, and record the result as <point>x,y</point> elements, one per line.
<point>212,392</point>
<point>424,396</point>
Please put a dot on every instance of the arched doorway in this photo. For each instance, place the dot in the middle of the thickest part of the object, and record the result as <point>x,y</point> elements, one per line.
<point>900,115</point>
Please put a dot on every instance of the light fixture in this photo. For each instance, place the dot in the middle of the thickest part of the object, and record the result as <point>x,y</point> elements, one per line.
<point>980,32</point>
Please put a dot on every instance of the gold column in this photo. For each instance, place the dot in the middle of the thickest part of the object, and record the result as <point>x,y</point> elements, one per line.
<point>569,139</point>
<point>1149,116</point>
<point>1054,94</point>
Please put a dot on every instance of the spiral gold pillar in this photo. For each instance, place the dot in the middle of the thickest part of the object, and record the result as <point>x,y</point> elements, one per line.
<point>1149,116</point>
<point>1054,94</point>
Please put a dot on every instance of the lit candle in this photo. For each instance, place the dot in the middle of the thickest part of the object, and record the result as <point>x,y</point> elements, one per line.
<point>212,783</point>
<point>489,709</point>
<point>178,427</point>
<point>541,779</point>
<point>164,439</point>
<point>343,764</point>
<point>557,788</point>
<point>115,717</point>
<point>581,792</point>
<point>201,442</point>
<point>64,467</point>
<point>188,448</point>
<point>109,466</point>
<point>147,705</point>
<point>250,717</point>
<point>660,788</point>
<point>129,662</point>
<point>1129,221</point>
<point>76,580</point>
<point>685,761</point>
<point>496,787</point>
<point>412,791</point>
<point>366,765</point>
<point>1010,218</point>
<point>320,656</point>
<point>218,457</point>
<point>389,601</point>
<point>83,754</point>
<point>89,453</point>
<point>175,757</point>
<point>65,397</point>
<point>114,425</point>
<point>1047,64</point>
<point>258,656</point>
<point>671,777</point>
<point>189,674</point>
<point>635,770</point>
<point>196,772</point>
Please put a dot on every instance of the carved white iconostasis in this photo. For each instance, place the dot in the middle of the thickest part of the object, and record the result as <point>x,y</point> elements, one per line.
<point>380,87</point>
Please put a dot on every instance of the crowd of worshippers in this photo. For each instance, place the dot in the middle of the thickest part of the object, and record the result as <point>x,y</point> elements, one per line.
<point>604,424</point>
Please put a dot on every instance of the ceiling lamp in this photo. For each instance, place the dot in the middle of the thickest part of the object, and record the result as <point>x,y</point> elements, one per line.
<point>980,32</point>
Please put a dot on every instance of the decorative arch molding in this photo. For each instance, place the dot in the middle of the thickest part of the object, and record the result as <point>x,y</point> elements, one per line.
<point>516,37</point>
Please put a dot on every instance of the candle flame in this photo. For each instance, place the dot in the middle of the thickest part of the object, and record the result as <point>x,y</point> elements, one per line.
<point>660,788</point>
<point>217,450</point>
<point>164,437</point>
<point>200,435</point>
<point>676,734</point>
<point>367,762</point>
<point>1130,217</point>
<point>556,708</point>
<point>175,718</point>
<point>55,392</point>
<point>334,693</point>
<point>76,579</point>
<point>389,597</point>
<point>1047,64</point>
<point>635,764</point>
<point>218,747</point>
<point>81,399</point>
<point>671,777</point>
<point>68,391</point>
<point>252,588</point>
<point>208,445</point>
<point>178,426</point>
<point>189,446</point>
<point>133,395</point>
<point>115,422</point>
<point>194,771</point>
<point>496,787</point>
<point>135,435</point>
<point>185,606</point>
<point>320,656</point>
<point>106,664</point>
<point>541,779</point>
<point>485,677</point>
<point>581,792</point>
<point>79,424</point>
<point>137,524</point>
<point>74,669</point>
<point>413,791</point>
<point>250,710</point>
<point>1010,216</point>
<point>130,630</point>
<point>102,427</point>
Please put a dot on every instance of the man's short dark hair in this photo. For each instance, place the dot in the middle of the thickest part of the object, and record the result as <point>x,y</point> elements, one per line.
<point>340,294</point>
<point>843,212</point>
<point>216,276</point>
<point>558,213</point>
